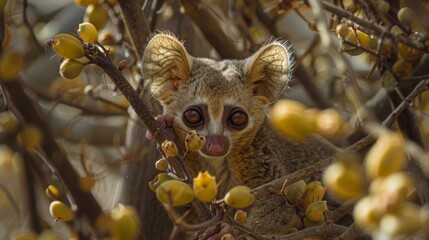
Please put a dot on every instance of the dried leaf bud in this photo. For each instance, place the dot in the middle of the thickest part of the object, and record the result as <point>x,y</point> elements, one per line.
<point>122,64</point>
<point>386,156</point>
<point>314,212</point>
<point>68,46</point>
<point>10,64</point>
<point>97,15</point>
<point>88,32</point>
<point>174,192</point>
<point>125,223</point>
<point>61,212</point>
<point>314,192</point>
<point>169,148</point>
<point>205,187</point>
<point>194,142</point>
<point>295,191</point>
<point>71,68</point>
<point>239,197</point>
<point>161,164</point>
<point>240,216</point>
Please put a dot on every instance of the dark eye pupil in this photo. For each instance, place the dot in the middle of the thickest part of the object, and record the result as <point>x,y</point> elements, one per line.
<point>238,118</point>
<point>192,116</point>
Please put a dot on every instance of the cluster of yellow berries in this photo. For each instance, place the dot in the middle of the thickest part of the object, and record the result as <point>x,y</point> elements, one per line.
<point>71,49</point>
<point>385,209</point>
<point>29,136</point>
<point>170,190</point>
<point>309,198</point>
<point>295,121</point>
<point>95,12</point>
<point>354,41</point>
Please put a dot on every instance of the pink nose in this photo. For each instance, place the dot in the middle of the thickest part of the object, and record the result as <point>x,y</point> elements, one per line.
<point>216,145</point>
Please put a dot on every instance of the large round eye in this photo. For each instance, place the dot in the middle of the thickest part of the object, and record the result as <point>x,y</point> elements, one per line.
<point>237,119</point>
<point>193,117</point>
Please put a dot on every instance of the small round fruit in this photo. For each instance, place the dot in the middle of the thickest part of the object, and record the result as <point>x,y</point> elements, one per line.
<point>194,142</point>
<point>406,15</point>
<point>205,187</point>
<point>409,53</point>
<point>403,68</point>
<point>97,15</point>
<point>8,122</point>
<point>125,223</point>
<point>331,124</point>
<point>169,148</point>
<point>52,192</point>
<point>382,6</point>
<point>61,212</point>
<point>315,211</point>
<point>295,191</point>
<point>239,197</point>
<point>174,192</point>
<point>366,214</point>
<point>160,179</point>
<point>48,235</point>
<point>342,30</point>
<point>68,46</point>
<point>86,183</point>
<point>71,68</point>
<point>30,137</point>
<point>88,32</point>
<point>27,235</point>
<point>10,64</point>
<point>386,156</point>
<point>315,191</point>
<point>288,118</point>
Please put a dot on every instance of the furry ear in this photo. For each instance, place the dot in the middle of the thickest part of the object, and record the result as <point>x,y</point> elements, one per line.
<point>268,71</point>
<point>166,65</point>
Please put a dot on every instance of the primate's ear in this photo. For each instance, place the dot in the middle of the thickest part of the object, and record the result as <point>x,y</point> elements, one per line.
<point>166,65</point>
<point>269,71</point>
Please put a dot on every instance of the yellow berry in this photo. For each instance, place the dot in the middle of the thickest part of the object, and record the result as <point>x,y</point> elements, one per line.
<point>160,179</point>
<point>239,197</point>
<point>205,187</point>
<point>350,5</point>
<point>342,30</point>
<point>9,163</point>
<point>362,40</point>
<point>89,90</point>
<point>295,191</point>
<point>122,64</point>
<point>403,68</point>
<point>52,192</point>
<point>386,156</point>
<point>28,235</point>
<point>240,216</point>
<point>61,212</point>
<point>88,32</point>
<point>30,137</point>
<point>382,6</point>
<point>86,3</point>
<point>314,192</point>
<point>48,235</point>
<point>394,189</point>
<point>288,117</point>
<point>331,124</point>
<point>86,183</point>
<point>344,180</point>
<point>194,142</point>
<point>125,223</point>
<point>68,46</point>
<point>409,53</point>
<point>403,220</point>
<point>10,64</point>
<point>161,164</point>
<point>314,212</point>
<point>169,148</point>
<point>71,68</point>
<point>406,15</point>
<point>97,15</point>
<point>8,122</point>
<point>174,192</point>
<point>366,213</point>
